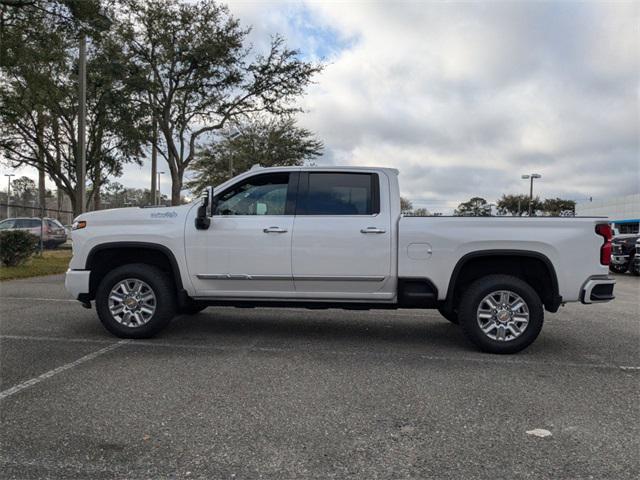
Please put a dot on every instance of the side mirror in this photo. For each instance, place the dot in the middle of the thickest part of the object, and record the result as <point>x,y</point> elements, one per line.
<point>203,218</point>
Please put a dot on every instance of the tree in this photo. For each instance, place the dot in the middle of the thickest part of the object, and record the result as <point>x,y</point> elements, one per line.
<point>24,190</point>
<point>421,212</point>
<point>67,14</point>
<point>116,195</point>
<point>265,142</point>
<point>517,205</point>
<point>197,75</point>
<point>38,103</point>
<point>558,207</point>
<point>406,206</point>
<point>476,207</point>
<point>512,204</point>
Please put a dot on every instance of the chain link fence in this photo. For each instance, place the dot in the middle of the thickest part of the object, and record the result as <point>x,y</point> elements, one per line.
<point>13,210</point>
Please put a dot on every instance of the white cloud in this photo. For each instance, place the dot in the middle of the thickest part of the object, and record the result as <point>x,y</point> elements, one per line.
<point>465,97</point>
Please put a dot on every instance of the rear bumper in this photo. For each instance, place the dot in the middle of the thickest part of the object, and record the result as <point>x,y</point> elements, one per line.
<point>597,290</point>
<point>77,282</point>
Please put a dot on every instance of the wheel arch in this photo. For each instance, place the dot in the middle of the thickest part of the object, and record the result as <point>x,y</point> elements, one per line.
<point>106,256</point>
<point>473,265</point>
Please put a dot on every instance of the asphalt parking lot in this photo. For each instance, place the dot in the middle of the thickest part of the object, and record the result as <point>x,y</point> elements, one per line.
<point>292,394</point>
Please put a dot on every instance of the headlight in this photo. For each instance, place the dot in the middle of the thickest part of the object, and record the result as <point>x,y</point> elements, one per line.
<point>78,225</point>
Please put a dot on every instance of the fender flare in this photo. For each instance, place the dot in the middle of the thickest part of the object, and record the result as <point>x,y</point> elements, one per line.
<point>175,269</point>
<point>556,298</point>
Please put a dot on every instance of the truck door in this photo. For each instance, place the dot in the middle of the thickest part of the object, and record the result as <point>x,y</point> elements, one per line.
<point>342,236</point>
<point>246,252</point>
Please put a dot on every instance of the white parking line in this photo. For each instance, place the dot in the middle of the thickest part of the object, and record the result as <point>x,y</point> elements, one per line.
<point>40,299</point>
<point>33,381</point>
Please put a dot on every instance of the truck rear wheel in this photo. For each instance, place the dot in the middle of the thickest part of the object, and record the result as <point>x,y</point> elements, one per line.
<point>135,301</point>
<point>501,314</point>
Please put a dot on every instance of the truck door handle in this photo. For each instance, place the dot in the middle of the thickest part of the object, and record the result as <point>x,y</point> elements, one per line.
<point>372,230</point>
<point>274,230</point>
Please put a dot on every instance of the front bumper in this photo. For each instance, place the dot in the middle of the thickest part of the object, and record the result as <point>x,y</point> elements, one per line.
<point>619,259</point>
<point>77,282</point>
<point>597,289</point>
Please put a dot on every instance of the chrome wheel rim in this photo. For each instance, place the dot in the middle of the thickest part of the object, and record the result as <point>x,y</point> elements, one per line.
<point>132,302</point>
<point>503,315</point>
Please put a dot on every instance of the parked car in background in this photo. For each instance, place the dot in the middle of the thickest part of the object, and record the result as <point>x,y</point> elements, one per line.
<point>636,259</point>
<point>623,249</point>
<point>54,233</point>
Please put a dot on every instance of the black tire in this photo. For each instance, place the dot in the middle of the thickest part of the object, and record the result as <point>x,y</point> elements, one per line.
<point>472,299</point>
<point>162,287</point>
<point>191,307</point>
<point>451,315</point>
<point>618,268</point>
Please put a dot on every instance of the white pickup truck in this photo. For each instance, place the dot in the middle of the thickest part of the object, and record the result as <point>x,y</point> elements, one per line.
<point>334,238</point>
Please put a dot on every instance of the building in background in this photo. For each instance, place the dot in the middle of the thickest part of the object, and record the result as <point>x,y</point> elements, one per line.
<point>624,212</point>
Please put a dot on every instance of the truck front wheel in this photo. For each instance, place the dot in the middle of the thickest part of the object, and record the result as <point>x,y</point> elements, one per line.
<point>501,314</point>
<point>449,314</point>
<point>135,301</point>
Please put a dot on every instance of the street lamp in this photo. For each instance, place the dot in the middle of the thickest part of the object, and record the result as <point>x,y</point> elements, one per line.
<point>8,175</point>
<point>159,194</point>
<point>531,176</point>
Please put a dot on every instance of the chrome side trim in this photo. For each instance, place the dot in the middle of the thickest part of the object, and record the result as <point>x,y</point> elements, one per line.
<point>339,278</point>
<point>310,278</point>
<point>229,276</point>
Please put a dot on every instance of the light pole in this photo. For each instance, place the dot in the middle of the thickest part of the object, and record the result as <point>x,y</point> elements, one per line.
<point>531,176</point>
<point>159,194</point>
<point>8,175</point>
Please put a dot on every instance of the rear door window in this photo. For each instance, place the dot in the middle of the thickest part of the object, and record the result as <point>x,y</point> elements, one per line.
<point>329,193</point>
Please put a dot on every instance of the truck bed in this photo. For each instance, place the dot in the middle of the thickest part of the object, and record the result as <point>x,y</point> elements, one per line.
<point>436,245</point>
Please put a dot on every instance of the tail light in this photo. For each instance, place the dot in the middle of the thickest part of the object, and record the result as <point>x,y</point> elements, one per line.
<point>604,230</point>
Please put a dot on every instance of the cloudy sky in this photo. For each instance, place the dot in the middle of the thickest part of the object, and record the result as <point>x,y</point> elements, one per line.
<point>463,98</point>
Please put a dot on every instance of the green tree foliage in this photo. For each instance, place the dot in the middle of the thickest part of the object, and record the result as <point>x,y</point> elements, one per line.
<point>116,195</point>
<point>66,14</point>
<point>421,212</point>
<point>197,74</point>
<point>557,207</point>
<point>23,190</point>
<point>475,207</point>
<point>516,205</point>
<point>16,246</point>
<point>406,207</point>
<point>265,142</point>
<point>38,102</point>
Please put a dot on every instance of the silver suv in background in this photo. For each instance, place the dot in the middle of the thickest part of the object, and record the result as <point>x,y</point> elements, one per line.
<point>54,233</point>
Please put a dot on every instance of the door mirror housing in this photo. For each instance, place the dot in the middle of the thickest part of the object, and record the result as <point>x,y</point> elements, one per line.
<point>203,218</point>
